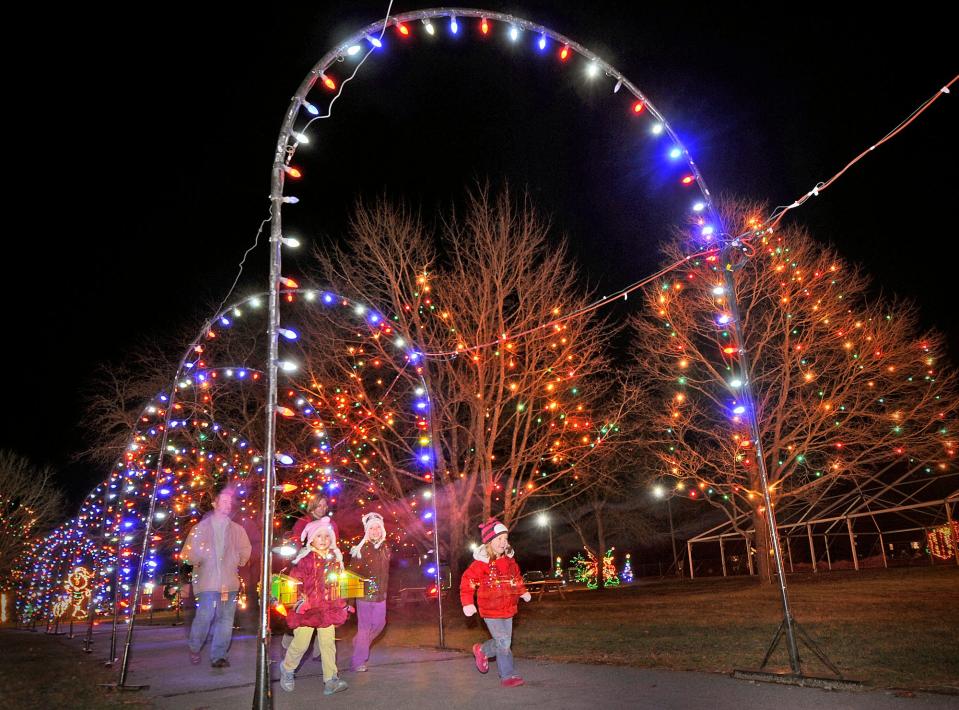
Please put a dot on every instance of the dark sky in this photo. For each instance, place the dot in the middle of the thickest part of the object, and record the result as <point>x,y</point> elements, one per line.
<point>143,141</point>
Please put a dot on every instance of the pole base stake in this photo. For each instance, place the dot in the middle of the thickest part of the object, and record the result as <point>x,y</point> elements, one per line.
<point>115,686</point>
<point>804,681</point>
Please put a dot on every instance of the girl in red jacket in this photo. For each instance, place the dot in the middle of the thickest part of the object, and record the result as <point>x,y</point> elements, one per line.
<point>495,578</point>
<point>317,567</point>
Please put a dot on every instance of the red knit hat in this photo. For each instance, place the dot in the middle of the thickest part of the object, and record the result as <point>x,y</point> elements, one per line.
<point>492,528</point>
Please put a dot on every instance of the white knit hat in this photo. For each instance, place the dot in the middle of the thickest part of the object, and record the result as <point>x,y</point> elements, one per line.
<point>368,520</point>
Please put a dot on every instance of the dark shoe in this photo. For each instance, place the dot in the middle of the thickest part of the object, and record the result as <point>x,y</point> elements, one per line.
<point>194,658</point>
<point>482,662</point>
<point>512,681</point>
<point>220,663</point>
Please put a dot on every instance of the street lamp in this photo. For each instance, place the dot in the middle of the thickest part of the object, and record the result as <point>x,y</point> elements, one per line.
<point>543,520</point>
<point>659,491</point>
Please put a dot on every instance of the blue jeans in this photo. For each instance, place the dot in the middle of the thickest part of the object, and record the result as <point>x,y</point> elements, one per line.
<point>498,646</point>
<point>211,610</point>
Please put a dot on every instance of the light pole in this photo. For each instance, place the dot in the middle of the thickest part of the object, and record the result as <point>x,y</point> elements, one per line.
<point>544,521</point>
<point>660,492</point>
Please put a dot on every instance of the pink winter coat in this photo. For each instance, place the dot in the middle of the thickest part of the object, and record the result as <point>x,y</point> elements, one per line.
<point>320,588</point>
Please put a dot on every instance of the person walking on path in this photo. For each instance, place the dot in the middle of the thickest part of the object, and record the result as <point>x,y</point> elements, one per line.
<point>318,507</point>
<point>370,560</point>
<point>495,579</point>
<point>317,567</point>
<point>215,547</point>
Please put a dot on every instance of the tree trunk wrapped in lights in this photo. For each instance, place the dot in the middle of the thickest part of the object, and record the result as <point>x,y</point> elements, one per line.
<point>844,381</point>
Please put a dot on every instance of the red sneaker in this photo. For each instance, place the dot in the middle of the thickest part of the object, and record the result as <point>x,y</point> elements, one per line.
<point>482,662</point>
<point>512,681</point>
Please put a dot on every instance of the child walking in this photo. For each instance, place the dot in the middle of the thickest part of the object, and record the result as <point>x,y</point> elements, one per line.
<point>317,566</point>
<point>495,578</point>
<point>371,560</point>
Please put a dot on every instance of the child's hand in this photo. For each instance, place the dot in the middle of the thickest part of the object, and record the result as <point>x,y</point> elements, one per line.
<point>469,609</point>
<point>526,597</point>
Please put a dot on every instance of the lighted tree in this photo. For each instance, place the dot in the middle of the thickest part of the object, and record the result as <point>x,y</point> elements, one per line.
<point>513,402</point>
<point>30,503</point>
<point>845,383</point>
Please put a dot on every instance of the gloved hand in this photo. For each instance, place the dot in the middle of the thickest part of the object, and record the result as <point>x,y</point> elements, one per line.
<point>526,597</point>
<point>469,609</point>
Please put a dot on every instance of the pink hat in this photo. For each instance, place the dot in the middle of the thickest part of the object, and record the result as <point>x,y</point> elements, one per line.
<point>492,528</point>
<point>315,527</point>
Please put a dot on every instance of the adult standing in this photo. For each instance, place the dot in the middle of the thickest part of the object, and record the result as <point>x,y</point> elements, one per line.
<point>318,508</point>
<point>370,560</point>
<point>215,547</point>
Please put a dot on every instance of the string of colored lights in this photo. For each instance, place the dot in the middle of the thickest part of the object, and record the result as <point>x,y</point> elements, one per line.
<point>777,215</point>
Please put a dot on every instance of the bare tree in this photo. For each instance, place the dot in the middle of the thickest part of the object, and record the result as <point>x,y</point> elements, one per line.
<point>845,383</point>
<point>30,503</point>
<point>513,389</point>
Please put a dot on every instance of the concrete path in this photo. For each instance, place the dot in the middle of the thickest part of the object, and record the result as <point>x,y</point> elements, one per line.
<point>422,679</point>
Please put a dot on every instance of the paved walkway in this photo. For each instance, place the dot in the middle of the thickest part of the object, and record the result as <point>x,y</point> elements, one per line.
<point>423,679</point>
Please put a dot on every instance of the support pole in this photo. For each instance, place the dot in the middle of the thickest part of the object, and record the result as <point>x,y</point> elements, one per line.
<point>262,691</point>
<point>749,556</point>
<point>852,544</point>
<point>882,548</point>
<point>729,257</point>
<point>722,555</point>
<point>812,548</point>
<point>789,554</point>
<point>689,554</point>
<point>952,533</point>
<point>825,539</point>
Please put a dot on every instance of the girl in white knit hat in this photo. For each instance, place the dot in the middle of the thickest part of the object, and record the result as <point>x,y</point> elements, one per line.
<point>370,560</point>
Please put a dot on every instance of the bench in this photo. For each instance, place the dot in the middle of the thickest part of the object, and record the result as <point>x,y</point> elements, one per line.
<point>541,586</point>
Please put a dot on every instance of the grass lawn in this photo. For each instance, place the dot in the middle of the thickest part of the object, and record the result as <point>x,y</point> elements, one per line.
<point>41,671</point>
<point>895,628</point>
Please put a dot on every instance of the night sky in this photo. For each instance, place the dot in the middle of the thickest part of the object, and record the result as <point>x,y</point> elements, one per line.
<point>142,145</point>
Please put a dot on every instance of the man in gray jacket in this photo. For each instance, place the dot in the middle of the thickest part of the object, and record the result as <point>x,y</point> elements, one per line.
<point>215,547</point>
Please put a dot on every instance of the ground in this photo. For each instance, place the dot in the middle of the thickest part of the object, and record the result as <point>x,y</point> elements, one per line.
<point>895,629</point>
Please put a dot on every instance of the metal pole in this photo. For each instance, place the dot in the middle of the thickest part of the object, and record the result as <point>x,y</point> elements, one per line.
<point>722,555</point>
<point>882,549</point>
<point>952,533</point>
<point>749,555</point>
<point>812,548</point>
<point>689,554</point>
<point>825,539</point>
<point>551,558</point>
<point>852,544</point>
<point>436,555</point>
<point>789,554</point>
<point>437,454</point>
<point>746,395</point>
<point>672,532</point>
<point>263,692</point>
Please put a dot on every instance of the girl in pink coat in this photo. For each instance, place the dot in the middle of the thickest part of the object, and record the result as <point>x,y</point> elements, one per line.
<point>317,567</point>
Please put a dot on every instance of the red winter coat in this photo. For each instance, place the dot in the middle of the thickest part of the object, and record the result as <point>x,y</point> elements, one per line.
<point>497,584</point>
<point>323,606</point>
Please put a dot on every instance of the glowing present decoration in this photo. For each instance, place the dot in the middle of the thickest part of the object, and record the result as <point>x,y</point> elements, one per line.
<point>942,540</point>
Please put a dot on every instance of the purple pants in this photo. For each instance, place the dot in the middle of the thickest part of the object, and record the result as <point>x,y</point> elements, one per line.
<point>370,621</point>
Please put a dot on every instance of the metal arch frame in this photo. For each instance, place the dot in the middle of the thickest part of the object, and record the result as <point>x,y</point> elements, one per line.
<point>899,497</point>
<point>157,469</point>
<point>283,154</point>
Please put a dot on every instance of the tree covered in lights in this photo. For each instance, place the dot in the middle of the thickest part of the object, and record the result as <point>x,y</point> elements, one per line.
<point>30,504</point>
<point>513,403</point>
<point>846,384</point>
